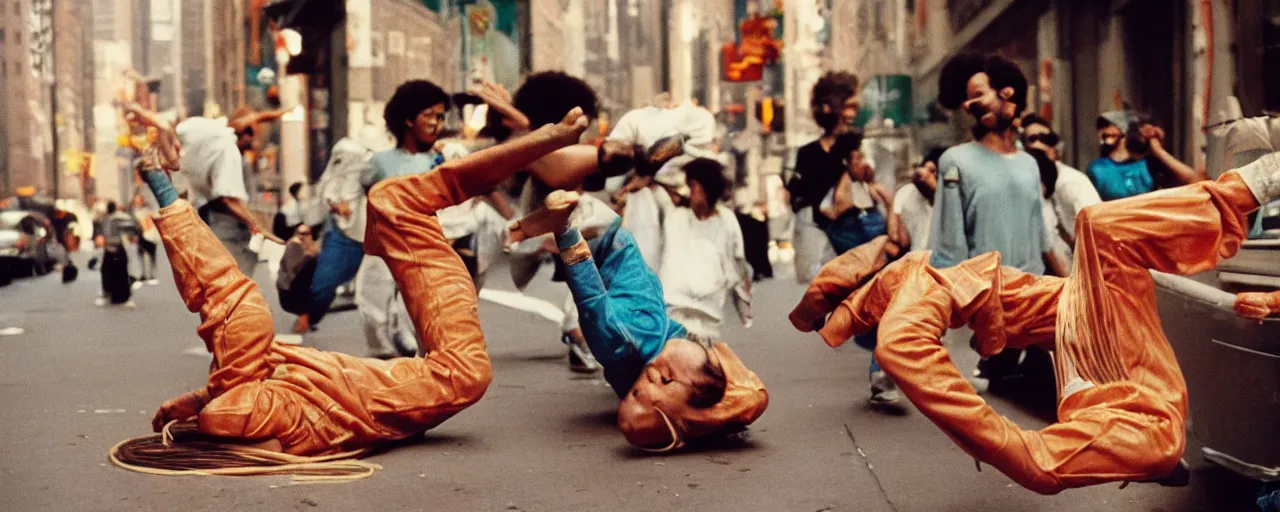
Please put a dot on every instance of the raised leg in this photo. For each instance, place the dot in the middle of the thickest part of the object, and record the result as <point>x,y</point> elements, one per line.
<point>438,292</point>
<point>236,323</point>
<point>1109,326</point>
<point>1111,432</point>
<point>621,308</point>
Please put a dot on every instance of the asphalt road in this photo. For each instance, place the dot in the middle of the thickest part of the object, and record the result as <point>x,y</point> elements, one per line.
<point>81,378</point>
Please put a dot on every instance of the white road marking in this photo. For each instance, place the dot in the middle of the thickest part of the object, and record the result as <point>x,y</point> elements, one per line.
<point>522,302</point>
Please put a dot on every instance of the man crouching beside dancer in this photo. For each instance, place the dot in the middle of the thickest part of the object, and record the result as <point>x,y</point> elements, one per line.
<point>674,386</point>
<point>307,402</point>
<point>1122,400</point>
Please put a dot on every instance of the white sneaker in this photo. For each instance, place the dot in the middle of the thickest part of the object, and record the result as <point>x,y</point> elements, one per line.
<point>100,301</point>
<point>131,304</point>
<point>153,282</point>
<point>581,360</point>
<point>137,285</point>
<point>883,390</point>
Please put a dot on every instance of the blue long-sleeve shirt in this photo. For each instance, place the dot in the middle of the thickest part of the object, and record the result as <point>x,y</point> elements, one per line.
<point>987,201</point>
<point>398,162</point>
<point>620,305</point>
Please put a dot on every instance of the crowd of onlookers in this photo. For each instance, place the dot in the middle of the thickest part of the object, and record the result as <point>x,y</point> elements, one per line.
<point>1006,190</point>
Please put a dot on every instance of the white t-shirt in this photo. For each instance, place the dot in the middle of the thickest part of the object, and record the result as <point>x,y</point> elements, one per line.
<point>703,260</point>
<point>211,161</point>
<point>645,126</point>
<point>916,212</point>
<point>1053,240</point>
<point>642,216</point>
<point>1072,192</point>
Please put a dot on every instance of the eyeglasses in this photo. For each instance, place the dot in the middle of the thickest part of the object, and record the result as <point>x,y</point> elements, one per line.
<point>1049,139</point>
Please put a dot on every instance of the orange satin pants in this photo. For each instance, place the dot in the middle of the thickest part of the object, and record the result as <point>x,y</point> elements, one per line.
<point>315,402</point>
<point>1123,409</point>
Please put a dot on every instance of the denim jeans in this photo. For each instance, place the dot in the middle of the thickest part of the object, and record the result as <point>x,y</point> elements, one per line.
<point>868,341</point>
<point>338,262</point>
<point>855,227</point>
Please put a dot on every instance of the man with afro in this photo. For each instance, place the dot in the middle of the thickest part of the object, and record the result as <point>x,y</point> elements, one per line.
<point>988,196</point>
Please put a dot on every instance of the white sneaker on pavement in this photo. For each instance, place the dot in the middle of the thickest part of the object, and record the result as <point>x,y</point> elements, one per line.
<point>883,390</point>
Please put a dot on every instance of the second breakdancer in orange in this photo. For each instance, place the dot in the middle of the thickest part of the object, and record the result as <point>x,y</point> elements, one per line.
<point>1122,405</point>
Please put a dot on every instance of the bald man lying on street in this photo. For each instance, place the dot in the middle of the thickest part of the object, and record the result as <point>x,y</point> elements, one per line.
<point>675,387</point>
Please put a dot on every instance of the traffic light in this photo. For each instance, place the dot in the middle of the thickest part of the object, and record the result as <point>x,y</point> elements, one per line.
<point>315,21</point>
<point>771,114</point>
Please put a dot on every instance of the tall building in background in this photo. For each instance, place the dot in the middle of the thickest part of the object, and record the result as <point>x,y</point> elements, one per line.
<point>160,54</point>
<point>225,55</point>
<point>194,54</point>
<point>73,23</point>
<point>22,98</point>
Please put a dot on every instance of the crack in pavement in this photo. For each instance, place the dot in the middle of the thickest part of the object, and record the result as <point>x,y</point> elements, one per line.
<point>874,475</point>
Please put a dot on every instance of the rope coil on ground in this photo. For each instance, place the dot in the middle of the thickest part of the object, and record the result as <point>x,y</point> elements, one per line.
<point>192,453</point>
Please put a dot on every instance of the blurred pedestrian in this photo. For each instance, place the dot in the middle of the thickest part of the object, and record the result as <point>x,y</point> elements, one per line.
<point>1134,159</point>
<point>1073,191</point>
<point>754,223</point>
<point>544,98</point>
<point>860,208</point>
<point>117,284</point>
<point>148,240</point>
<point>704,261</point>
<point>834,104</point>
<point>297,270</point>
<point>913,203</point>
<point>342,247</point>
<point>1057,250</point>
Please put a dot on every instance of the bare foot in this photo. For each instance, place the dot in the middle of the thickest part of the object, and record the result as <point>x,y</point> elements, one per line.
<point>553,217</point>
<point>570,129</point>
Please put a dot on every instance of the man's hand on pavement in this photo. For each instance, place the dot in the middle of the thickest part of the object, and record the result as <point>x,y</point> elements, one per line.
<point>180,408</point>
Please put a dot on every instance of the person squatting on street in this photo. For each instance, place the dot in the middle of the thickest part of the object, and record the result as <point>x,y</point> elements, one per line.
<point>306,402</point>
<point>1122,400</point>
<point>675,387</point>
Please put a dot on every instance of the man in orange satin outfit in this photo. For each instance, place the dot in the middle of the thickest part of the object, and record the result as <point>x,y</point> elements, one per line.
<point>304,401</point>
<point>1122,405</point>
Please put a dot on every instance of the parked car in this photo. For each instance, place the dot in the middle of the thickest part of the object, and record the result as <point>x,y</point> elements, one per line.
<point>27,245</point>
<point>1231,365</point>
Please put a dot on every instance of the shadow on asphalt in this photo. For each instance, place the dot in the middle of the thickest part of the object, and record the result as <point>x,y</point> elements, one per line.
<point>608,418</point>
<point>428,439</point>
<point>740,442</point>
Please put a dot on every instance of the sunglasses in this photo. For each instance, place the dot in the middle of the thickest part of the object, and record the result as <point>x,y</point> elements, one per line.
<point>1049,139</point>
